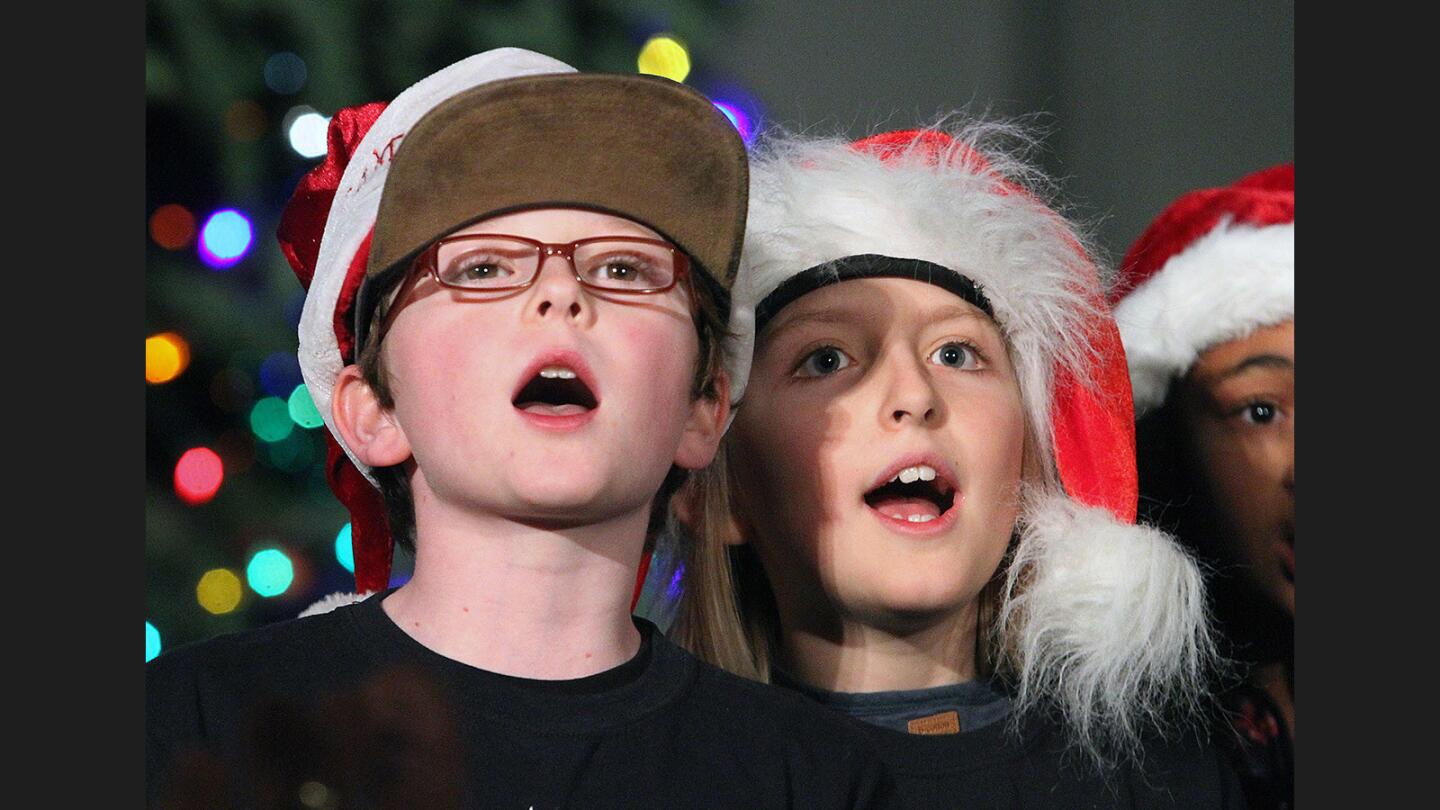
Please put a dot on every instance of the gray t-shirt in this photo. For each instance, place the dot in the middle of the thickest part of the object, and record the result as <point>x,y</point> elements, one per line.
<point>975,704</point>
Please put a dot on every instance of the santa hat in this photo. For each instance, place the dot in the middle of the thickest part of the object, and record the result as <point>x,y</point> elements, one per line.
<point>1101,618</point>
<point>1215,265</point>
<point>398,176</point>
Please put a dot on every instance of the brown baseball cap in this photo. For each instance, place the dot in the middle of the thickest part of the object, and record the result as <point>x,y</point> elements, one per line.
<point>641,147</point>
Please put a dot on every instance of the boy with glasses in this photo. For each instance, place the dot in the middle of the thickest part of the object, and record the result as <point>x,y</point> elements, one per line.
<point>514,275</point>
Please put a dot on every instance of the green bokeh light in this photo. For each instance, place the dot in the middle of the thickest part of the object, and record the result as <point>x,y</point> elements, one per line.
<point>152,641</point>
<point>270,572</point>
<point>302,408</point>
<point>344,549</point>
<point>270,419</point>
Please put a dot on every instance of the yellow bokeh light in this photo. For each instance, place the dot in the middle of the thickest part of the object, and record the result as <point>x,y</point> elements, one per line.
<point>664,56</point>
<point>219,591</point>
<point>166,355</point>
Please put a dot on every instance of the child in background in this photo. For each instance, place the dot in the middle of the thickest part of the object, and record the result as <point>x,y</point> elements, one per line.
<point>924,514</point>
<point>1206,308</point>
<point>514,274</point>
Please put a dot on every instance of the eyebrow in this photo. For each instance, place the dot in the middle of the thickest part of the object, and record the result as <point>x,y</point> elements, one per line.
<point>1272,361</point>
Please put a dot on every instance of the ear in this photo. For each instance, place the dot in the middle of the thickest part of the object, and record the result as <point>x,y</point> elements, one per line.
<point>370,430</point>
<point>689,501</point>
<point>705,426</point>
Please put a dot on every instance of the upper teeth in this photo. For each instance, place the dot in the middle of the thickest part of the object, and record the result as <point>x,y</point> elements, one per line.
<point>562,373</point>
<point>910,475</point>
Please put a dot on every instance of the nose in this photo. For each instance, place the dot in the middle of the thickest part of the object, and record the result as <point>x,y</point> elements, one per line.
<point>558,293</point>
<point>910,395</point>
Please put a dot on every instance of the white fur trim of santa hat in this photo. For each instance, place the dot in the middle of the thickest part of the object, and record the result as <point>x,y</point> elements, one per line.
<point>335,600</point>
<point>1224,285</point>
<point>357,201</point>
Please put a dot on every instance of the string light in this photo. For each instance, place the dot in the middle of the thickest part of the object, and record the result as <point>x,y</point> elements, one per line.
<point>307,135</point>
<point>219,591</point>
<point>166,356</point>
<point>285,73</point>
<point>225,238</point>
<point>245,121</point>
<point>664,55</point>
<point>198,475</point>
<point>172,226</point>
<point>738,118</point>
<point>270,572</point>
<point>270,419</point>
<point>152,641</point>
<point>345,548</point>
<point>302,408</point>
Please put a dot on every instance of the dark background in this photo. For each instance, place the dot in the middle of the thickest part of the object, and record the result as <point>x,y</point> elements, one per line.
<point>1138,103</point>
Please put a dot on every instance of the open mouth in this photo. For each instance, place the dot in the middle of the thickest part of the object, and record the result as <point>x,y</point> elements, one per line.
<point>916,494</point>
<point>555,390</point>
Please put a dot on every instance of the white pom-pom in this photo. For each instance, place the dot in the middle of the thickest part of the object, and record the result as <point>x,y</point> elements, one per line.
<point>1105,621</point>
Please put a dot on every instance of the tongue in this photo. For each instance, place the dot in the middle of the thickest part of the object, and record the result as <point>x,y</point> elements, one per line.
<point>903,508</point>
<point>545,409</point>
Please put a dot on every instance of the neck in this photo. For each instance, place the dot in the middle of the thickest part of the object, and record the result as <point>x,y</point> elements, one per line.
<point>845,654</point>
<point>520,599</point>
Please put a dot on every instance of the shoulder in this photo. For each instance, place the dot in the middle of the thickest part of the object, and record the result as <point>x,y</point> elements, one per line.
<point>253,649</point>
<point>284,657</point>
<point>762,732</point>
<point>776,709</point>
<point>1185,769</point>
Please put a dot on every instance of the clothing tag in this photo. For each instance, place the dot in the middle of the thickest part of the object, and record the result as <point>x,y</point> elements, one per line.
<point>942,723</point>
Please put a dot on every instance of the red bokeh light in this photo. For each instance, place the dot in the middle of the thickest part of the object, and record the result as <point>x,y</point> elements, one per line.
<point>172,227</point>
<point>198,474</point>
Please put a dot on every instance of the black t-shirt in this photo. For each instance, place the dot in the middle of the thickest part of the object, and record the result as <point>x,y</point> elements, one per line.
<point>345,709</point>
<point>987,764</point>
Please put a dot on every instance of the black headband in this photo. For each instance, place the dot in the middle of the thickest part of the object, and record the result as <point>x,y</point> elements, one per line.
<point>868,265</point>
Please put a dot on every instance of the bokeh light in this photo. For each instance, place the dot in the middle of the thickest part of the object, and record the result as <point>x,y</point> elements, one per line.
<point>280,373</point>
<point>663,55</point>
<point>245,121</point>
<point>270,572</point>
<point>270,419</point>
<point>172,226</point>
<point>345,548</point>
<point>166,356</point>
<point>152,641</point>
<point>739,119</point>
<point>285,73</point>
<point>219,591</point>
<point>302,408</point>
<point>307,134</point>
<point>198,475</point>
<point>225,238</point>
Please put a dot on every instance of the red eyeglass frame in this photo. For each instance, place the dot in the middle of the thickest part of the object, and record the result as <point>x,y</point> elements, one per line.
<point>428,263</point>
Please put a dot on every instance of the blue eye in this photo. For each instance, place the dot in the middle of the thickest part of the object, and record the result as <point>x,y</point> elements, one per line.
<point>822,362</point>
<point>956,355</point>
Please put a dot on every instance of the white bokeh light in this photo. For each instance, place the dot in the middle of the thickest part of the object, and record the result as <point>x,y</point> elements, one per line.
<point>307,134</point>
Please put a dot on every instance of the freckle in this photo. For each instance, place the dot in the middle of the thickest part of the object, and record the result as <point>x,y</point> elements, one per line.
<point>417,624</point>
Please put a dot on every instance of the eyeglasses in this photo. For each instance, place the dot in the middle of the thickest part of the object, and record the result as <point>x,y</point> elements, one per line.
<point>499,263</point>
<point>627,265</point>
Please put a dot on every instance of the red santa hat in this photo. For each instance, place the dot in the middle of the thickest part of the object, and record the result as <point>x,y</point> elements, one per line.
<point>1215,265</point>
<point>1102,618</point>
